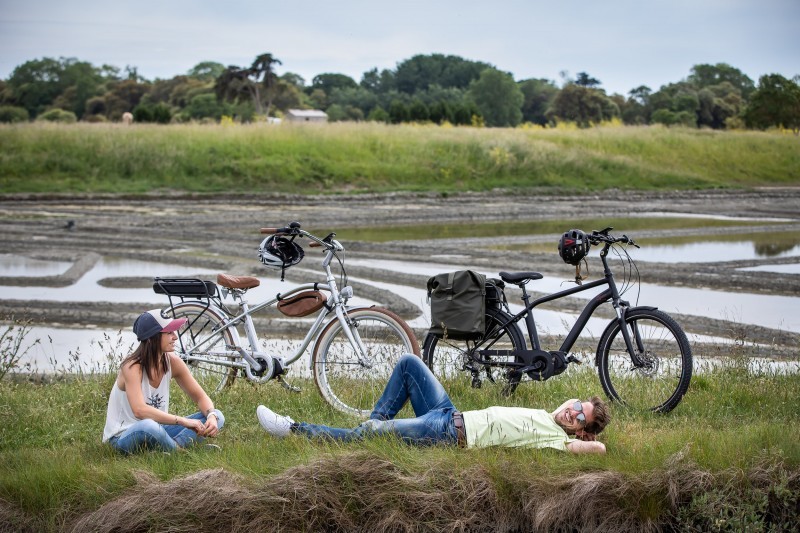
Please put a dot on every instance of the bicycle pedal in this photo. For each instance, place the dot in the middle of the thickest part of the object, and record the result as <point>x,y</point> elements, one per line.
<point>573,359</point>
<point>287,385</point>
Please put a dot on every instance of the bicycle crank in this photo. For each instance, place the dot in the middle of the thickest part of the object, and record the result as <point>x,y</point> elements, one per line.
<point>539,365</point>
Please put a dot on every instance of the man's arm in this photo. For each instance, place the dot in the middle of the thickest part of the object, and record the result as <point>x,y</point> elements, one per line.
<point>581,446</point>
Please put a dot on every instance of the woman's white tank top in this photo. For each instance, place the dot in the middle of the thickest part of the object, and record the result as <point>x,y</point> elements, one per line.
<point>119,415</point>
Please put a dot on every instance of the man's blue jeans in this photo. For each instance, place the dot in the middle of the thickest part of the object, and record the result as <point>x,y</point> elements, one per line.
<point>410,381</point>
<point>150,435</point>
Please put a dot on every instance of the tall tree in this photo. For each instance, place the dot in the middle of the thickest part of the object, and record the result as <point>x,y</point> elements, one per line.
<point>498,98</point>
<point>636,108</point>
<point>582,105</point>
<point>584,80</point>
<point>294,79</point>
<point>124,96</point>
<point>330,80</point>
<point>179,90</point>
<point>354,97</point>
<point>37,84</point>
<point>706,75</point>
<point>776,102</point>
<point>422,71</point>
<point>718,103</point>
<point>538,95</point>
<point>641,94</point>
<point>377,82</point>
<point>258,82</point>
<point>206,70</point>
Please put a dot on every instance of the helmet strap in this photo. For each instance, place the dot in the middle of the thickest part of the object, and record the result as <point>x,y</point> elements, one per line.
<point>578,277</point>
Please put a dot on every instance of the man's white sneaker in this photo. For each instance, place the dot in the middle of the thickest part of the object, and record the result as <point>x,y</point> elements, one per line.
<point>273,423</point>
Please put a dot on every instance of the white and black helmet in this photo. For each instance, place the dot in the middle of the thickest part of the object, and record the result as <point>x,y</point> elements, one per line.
<point>279,253</point>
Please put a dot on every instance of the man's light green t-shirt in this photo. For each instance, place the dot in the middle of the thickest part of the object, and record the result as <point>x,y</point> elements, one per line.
<point>513,427</point>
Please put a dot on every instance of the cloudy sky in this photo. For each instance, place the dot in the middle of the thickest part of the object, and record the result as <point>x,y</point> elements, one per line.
<point>623,43</point>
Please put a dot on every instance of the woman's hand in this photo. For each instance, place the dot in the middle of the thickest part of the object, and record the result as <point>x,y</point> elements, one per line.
<point>211,428</point>
<point>191,423</point>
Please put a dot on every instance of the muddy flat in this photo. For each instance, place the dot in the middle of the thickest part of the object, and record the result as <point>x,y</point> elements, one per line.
<point>221,233</point>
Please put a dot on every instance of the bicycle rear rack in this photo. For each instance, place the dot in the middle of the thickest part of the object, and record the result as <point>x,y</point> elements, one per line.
<point>187,288</point>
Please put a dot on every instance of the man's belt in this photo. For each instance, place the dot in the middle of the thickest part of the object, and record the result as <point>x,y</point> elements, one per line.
<point>461,433</point>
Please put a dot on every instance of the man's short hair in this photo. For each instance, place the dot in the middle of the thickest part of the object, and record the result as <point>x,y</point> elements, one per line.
<point>602,416</point>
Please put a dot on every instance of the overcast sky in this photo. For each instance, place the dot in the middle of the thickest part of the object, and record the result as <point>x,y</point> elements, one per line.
<point>622,43</point>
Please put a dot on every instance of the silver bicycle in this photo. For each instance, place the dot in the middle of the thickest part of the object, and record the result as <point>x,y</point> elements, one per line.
<point>354,348</point>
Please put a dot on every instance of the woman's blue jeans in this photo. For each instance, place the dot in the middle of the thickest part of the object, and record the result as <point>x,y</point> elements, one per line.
<point>150,435</point>
<point>410,381</point>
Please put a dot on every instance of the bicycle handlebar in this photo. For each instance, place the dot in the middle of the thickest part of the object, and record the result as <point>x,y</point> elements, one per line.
<point>293,229</point>
<point>603,236</point>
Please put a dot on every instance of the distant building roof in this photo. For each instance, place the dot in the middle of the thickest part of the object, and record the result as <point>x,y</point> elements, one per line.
<point>307,113</point>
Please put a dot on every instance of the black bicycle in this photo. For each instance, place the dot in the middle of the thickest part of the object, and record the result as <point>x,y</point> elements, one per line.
<point>643,358</point>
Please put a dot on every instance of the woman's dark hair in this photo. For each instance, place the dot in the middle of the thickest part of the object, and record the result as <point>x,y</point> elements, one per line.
<point>150,357</point>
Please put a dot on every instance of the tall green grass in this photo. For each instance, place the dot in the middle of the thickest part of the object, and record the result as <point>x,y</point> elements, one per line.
<point>734,432</point>
<point>335,158</point>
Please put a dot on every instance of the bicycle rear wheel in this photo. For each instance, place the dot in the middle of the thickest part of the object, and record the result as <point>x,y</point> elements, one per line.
<point>662,381</point>
<point>448,358</point>
<point>340,377</point>
<point>204,325</point>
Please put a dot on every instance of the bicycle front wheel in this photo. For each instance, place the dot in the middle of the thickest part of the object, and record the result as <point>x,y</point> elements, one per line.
<point>339,374</point>
<point>660,383</point>
<point>203,337</point>
<point>448,358</point>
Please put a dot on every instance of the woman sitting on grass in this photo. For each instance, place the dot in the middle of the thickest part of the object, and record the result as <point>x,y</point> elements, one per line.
<point>138,415</point>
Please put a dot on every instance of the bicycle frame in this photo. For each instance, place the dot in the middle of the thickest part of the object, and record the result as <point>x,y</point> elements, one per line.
<point>258,365</point>
<point>610,293</point>
<point>230,324</point>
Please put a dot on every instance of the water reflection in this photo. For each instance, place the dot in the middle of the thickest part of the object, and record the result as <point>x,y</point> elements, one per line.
<point>18,265</point>
<point>709,252</point>
<point>697,249</point>
<point>779,269</point>
<point>87,289</point>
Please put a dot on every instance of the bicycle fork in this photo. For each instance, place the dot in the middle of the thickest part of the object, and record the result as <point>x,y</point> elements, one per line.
<point>351,332</point>
<point>630,335</point>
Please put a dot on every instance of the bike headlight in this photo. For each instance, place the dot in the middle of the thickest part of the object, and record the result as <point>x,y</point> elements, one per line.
<point>346,293</point>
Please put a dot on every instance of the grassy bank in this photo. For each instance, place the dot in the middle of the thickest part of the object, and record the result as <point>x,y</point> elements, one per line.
<point>370,157</point>
<point>727,459</point>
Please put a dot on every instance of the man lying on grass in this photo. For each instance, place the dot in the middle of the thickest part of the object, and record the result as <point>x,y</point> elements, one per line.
<point>438,421</point>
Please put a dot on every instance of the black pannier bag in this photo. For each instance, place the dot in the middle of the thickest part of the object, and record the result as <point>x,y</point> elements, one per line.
<point>458,304</point>
<point>495,297</point>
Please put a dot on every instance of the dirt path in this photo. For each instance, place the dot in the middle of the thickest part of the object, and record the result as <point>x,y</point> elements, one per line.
<point>219,233</point>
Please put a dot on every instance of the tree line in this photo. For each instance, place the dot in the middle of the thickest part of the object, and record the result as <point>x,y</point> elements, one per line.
<point>431,88</point>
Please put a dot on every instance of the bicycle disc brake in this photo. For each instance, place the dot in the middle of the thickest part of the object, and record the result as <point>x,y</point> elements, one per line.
<point>650,364</point>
